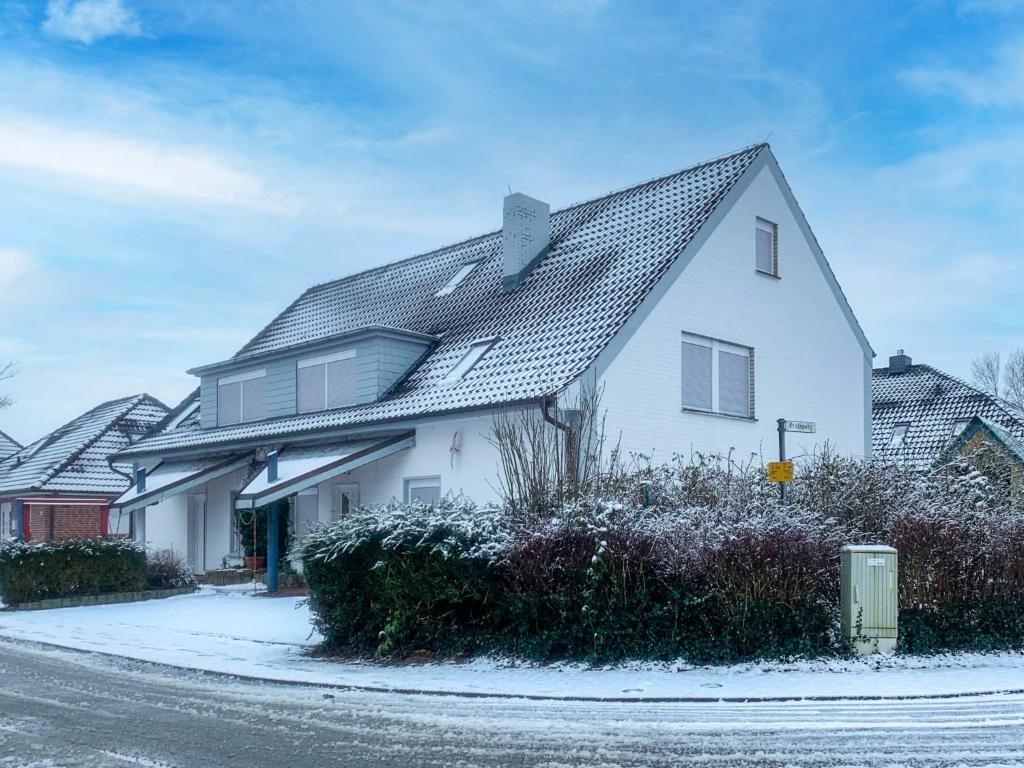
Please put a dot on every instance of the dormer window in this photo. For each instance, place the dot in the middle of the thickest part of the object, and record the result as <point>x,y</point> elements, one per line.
<point>469,360</point>
<point>958,427</point>
<point>241,397</point>
<point>326,382</point>
<point>456,280</point>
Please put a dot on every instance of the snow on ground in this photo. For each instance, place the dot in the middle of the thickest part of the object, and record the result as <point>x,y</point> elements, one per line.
<point>231,631</point>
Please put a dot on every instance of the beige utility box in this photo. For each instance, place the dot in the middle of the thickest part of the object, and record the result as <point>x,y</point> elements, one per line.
<point>869,596</point>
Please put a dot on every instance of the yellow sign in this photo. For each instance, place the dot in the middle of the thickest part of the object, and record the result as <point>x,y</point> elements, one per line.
<point>780,471</point>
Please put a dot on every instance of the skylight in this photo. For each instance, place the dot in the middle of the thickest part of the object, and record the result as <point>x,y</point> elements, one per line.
<point>899,435</point>
<point>457,279</point>
<point>476,351</point>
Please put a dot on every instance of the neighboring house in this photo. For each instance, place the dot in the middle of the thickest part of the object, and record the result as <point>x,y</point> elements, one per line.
<point>699,304</point>
<point>64,479</point>
<point>923,416</point>
<point>8,445</point>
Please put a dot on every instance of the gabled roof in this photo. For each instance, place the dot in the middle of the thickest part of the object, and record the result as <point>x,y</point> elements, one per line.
<point>931,402</point>
<point>73,458</point>
<point>1014,446</point>
<point>606,256</point>
<point>8,445</point>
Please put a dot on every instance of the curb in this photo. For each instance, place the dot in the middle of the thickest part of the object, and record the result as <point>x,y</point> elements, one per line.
<point>105,598</point>
<point>525,696</point>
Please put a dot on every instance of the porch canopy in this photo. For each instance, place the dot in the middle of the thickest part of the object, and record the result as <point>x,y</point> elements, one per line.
<point>169,478</point>
<point>299,468</point>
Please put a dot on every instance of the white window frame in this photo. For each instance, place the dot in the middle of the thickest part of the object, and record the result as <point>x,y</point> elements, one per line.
<point>476,352</point>
<point>457,279</point>
<point>324,360</point>
<point>716,346</point>
<point>6,520</point>
<point>337,491</point>
<point>764,225</point>
<point>239,378</point>
<point>426,481</point>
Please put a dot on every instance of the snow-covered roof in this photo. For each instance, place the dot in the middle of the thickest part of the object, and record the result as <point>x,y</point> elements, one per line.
<point>73,458</point>
<point>605,257</point>
<point>931,403</point>
<point>8,445</point>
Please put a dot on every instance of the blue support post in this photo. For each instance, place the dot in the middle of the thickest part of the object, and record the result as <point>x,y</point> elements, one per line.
<point>19,519</point>
<point>273,522</point>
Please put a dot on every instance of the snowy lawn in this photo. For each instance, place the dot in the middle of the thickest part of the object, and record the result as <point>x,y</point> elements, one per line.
<point>231,631</point>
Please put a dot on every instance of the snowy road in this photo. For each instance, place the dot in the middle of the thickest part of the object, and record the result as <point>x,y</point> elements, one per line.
<point>68,709</point>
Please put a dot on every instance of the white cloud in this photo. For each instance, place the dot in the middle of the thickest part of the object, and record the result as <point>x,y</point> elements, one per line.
<point>1000,84</point>
<point>14,264</point>
<point>87,21</point>
<point>189,173</point>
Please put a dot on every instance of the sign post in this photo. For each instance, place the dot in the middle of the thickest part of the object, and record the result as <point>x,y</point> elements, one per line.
<point>781,471</point>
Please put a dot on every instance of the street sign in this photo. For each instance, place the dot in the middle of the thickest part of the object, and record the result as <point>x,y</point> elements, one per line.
<point>800,426</point>
<point>780,471</point>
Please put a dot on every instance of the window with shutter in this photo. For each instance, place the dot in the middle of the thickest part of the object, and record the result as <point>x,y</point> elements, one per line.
<point>766,246</point>
<point>697,375</point>
<point>718,377</point>
<point>328,381</point>
<point>241,397</point>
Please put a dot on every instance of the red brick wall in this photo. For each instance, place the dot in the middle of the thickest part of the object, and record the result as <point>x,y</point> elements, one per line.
<point>65,521</point>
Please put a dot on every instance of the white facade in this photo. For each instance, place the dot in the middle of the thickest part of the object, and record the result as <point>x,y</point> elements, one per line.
<point>808,363</point>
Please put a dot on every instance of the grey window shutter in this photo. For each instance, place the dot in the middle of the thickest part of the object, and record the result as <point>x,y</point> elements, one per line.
<point>341,383</point>
<point>312,396</point>
<point>765,250</point>
<point>254,399</point>
<point>733,384</point>
<point>229,403</point>
<point>696,376</point>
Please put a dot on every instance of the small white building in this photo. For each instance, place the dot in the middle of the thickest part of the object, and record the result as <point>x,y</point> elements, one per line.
<point>699,303</point>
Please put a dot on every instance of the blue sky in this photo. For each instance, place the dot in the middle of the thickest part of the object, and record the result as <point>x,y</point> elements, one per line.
<point>173,174</point>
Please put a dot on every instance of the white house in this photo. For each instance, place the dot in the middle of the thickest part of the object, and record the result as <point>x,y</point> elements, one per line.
<point>699,302</point>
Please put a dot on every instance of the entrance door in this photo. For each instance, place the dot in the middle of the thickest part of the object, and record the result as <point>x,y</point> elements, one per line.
<point>307,511</point>
<point>345,498</point>
<point>196,533</point>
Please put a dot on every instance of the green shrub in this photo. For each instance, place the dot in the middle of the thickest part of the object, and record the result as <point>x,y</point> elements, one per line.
<point>42,570</point>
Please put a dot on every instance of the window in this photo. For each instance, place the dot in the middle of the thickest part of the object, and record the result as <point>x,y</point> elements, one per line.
<point>425,490</point>
<point>138,525</point>
<point>344,498</point>
<point>456,280</point>
<point>328,381</point>
<point>766,247</point>
<point>717,377</point>
<point>6,521</point>
<point>899,436</point>
<point>476,351</point>
<point>958,427</point>
<point>241,397</point>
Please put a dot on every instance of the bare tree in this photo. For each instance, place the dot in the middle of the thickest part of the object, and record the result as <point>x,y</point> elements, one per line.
<point>985,371</point>
<point>7,371</point>
<point>1013,378</point>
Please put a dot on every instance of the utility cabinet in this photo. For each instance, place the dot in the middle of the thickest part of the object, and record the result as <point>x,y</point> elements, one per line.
<point>869,596</point>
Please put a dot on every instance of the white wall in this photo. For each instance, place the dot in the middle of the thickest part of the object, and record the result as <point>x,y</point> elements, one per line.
<point>808,362</point>
<point>471,471</point>
<point>167,525</point>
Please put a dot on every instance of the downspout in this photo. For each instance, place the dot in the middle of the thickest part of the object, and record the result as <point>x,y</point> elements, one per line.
<point>572,449</point>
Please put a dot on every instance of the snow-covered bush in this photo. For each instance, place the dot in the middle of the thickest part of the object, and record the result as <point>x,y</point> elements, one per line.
<point>699,559</point>
<point>40,570</point>
<point>165,570</point>
<point>402,577</point>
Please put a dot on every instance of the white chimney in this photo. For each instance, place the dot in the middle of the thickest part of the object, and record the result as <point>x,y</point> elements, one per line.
<point>526,234</point>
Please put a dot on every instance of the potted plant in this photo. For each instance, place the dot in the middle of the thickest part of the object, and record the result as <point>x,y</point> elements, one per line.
<point>252,528</point>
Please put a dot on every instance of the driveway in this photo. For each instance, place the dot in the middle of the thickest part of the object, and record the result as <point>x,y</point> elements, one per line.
<point>63,708</point>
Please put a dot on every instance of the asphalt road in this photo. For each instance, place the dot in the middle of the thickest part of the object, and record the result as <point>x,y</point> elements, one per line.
<point>62,708</point>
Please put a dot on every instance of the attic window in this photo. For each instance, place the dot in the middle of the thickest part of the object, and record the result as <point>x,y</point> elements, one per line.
<point>473,356</point>
<point>766,247</point>
<point>241,397</point>
<point>899,435</point>
<point>328,381</point>
<point>958,427</point>
<point>457,279</point>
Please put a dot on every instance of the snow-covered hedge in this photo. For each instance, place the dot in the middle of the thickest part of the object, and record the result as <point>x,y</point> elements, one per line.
<point>41,570</point>
<point>698,559</point>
